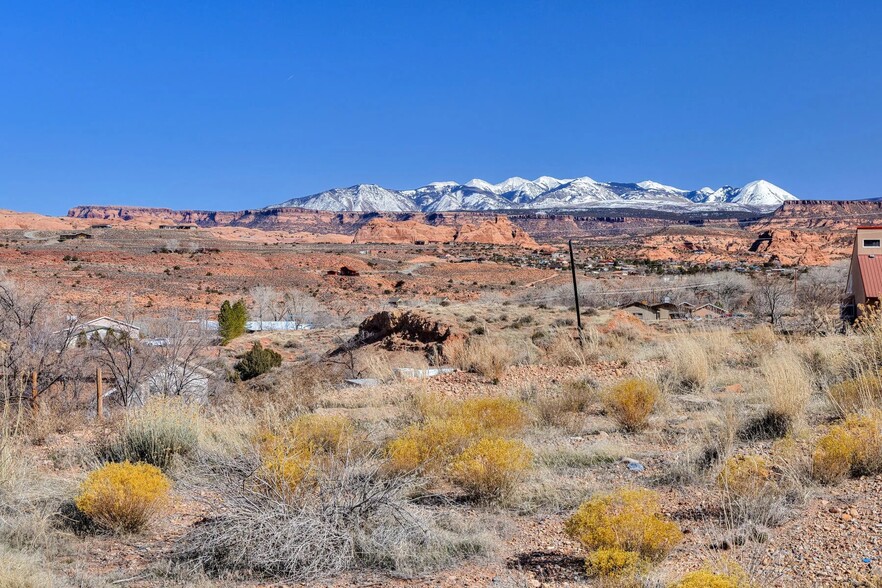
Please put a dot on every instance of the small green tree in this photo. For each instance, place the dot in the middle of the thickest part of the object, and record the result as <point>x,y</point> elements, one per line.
<point>257,361</point>
<point>231,320</point>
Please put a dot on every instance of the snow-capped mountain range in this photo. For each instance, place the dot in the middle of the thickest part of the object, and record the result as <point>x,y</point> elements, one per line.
<point>543,193</point>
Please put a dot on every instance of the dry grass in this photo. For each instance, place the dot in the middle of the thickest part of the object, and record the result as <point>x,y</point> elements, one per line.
<point>487,356</point>
<point>157,433</point>
<point>25,570</point>
<point>788,386</point>
<point>568,402</point>
<point>690,365</point>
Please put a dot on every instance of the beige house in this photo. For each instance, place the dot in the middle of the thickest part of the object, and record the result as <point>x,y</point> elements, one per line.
<point>640,310</point>
<point>864,286</point>
<point>708,311</point>
<point>99,328</point>
<point>664,311</point>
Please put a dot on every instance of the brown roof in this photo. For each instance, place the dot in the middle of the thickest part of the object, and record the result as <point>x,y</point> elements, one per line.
<point>871,274</point>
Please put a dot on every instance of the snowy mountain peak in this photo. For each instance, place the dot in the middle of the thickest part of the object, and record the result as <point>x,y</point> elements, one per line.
<point>650,185</point>
<point>545,192</point>
<point>762,193</point>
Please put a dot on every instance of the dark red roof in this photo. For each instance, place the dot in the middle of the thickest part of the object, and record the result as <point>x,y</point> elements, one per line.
<point>871,274</point>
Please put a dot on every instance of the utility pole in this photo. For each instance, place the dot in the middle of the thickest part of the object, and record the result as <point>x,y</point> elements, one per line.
<point>575,290</point>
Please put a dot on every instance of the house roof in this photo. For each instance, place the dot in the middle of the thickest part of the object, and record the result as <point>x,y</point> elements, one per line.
<point>712,307</point>
<point>112,320</point>
<point>870,267</point>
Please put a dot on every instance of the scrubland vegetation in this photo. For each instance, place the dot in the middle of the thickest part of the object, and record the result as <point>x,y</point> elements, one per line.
<point>686,456</point>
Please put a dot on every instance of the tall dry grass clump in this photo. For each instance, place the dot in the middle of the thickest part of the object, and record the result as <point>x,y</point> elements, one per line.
<point>563,349</point>
<point>123,496</point>
<point>863,389</point>
<point>631,402</point>
<point>788,386</point>
<point>690,365</point>
<point>156,433</point>
<point>486,356</point>
<point>855,394</point>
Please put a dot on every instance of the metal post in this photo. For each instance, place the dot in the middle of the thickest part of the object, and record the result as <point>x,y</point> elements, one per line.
<point>575,290</point>
<point>99,385</point>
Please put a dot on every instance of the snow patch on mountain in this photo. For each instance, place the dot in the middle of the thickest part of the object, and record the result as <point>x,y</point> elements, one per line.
<point>545,192</point>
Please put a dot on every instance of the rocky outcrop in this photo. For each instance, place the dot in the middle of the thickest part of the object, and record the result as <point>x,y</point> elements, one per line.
<point>499,231</point>
<point>371,227</point>
<point>401,330</point>
<point>383,230</point>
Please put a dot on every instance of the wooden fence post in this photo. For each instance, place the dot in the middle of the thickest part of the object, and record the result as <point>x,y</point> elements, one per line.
<point>34,389</point>
<point>99,387</point>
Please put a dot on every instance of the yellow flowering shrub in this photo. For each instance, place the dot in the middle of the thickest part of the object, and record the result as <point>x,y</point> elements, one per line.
<point>631,402</point>
<point>627,519</point>
<point>449,428</point>
<point>489,467</point>
<point>321,432</point>
<point>123,496</point>
<point>492,415</point>
<point>854,447</point>
<point>613,562</point>
<point>709,579</point>
<point>745,475</point>
<point>288,456</point>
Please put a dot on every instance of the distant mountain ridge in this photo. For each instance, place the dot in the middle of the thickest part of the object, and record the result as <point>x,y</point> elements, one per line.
<point>543,193</point>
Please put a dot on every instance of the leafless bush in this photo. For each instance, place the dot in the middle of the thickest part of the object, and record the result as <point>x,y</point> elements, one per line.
<point>572,399</point>
<point>350,517</point>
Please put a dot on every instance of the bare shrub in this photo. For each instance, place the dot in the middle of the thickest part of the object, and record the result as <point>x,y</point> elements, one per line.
<point>352,517</point>
<point>573,397</point>
<point>288,391</point>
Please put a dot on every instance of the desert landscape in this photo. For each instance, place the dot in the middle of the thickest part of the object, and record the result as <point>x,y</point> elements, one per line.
<point>440,294</point>
<point>411,401</point>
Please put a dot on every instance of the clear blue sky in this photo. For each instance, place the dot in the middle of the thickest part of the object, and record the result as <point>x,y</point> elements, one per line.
<point>230,105</point>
